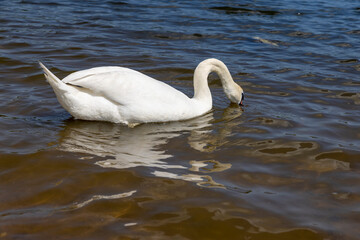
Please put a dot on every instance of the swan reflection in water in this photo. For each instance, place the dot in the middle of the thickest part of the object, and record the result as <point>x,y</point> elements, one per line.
<point>141,146</point>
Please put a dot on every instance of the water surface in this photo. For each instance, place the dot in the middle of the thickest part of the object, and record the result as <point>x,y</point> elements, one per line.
<point>285,166</point>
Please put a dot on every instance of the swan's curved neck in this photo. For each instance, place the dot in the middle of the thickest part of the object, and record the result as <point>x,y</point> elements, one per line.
<point>202,71</point>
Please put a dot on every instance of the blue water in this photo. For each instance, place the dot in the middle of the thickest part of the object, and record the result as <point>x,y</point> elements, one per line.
<point>286,166</point>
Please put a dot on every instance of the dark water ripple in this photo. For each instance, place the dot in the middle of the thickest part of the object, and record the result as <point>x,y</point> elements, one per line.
<point>285,167</point>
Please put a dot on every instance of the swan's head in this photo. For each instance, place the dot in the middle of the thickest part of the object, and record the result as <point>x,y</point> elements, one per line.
<point>235,94</point>
<point>232,90</point>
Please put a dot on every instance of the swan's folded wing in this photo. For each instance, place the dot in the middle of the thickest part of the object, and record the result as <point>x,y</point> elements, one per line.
<point>124,86</point>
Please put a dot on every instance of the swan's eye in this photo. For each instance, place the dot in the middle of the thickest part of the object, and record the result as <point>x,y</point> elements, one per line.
<point>242,99</point>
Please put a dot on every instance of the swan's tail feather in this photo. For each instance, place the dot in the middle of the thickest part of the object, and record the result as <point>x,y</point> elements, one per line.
<point>54,81</point>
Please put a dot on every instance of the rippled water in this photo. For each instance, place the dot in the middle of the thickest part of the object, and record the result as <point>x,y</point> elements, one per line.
<point>286,166</point>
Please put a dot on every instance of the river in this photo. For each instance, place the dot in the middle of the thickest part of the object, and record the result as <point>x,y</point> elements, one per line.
<point>284,166</point>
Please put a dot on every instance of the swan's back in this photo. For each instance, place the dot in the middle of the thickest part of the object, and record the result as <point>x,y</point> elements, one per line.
<point>123,86</point>
<point>94,71</point>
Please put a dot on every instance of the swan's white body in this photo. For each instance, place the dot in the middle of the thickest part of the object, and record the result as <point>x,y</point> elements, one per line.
<point>122,95</point>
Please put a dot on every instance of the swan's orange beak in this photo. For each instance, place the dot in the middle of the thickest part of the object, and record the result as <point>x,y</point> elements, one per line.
<point>242,99</point>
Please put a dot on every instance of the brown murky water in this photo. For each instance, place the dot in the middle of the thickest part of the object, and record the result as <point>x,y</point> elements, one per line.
<point>286,166</point>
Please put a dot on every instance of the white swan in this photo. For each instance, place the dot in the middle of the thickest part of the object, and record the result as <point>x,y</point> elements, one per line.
<point>122,95</point>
